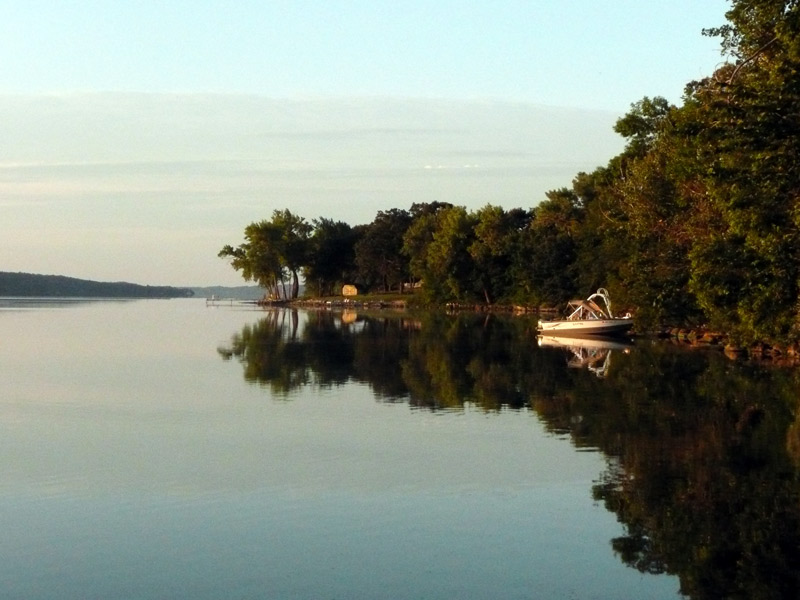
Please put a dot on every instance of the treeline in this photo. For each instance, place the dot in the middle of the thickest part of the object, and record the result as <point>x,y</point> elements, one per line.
<point>696,222</point>
<point>445,252</point>
<point>52,286</point>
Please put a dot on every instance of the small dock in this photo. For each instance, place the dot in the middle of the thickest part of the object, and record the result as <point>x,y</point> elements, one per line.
<point>215,301</point>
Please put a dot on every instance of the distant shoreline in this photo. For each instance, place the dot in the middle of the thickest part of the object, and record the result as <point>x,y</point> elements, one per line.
<point>33,285</point>
<point>30,285</point>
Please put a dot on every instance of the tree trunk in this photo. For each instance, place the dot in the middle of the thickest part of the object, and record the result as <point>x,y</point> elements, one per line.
<point>273,289</point>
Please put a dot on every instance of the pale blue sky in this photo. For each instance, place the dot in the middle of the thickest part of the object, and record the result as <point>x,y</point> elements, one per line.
<point>598,54</point>
<point>132,131</point>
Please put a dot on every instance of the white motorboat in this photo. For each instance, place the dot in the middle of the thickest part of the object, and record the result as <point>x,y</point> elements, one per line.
<point>592,316</point>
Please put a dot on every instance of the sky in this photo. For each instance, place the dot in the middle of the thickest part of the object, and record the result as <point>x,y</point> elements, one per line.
<point>139,137</point>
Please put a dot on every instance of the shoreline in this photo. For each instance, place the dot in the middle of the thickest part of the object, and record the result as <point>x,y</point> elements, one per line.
<point>762,352</point>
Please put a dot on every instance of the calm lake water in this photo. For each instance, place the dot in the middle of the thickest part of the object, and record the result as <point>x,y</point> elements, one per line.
<point>169,449</point>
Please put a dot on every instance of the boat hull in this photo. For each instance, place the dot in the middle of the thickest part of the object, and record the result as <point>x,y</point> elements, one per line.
<point>586,327</point>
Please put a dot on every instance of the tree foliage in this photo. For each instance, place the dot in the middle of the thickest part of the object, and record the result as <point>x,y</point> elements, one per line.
<point>378,252</point>
<point>272,251</point>
<point>696,221</point>
<point>331,256</point>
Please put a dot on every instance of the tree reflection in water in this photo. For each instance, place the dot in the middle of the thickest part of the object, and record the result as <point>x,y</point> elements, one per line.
<point>703,453</point>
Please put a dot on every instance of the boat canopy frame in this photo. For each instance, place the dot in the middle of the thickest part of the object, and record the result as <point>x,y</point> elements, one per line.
<point>590,309</point>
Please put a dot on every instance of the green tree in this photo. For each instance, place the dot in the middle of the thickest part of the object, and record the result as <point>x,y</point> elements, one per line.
<point>258,257</point>
<point>642,124</point>
<point>603,246</point>
<point>378,251</point>
<point>437,245</point>
<point>549,248</point>
<point>271,250</point>
<point>497,238</point>
<point>294,243</point>
<point>747,139</point>
<point>657,212</point>
<point>331,259</point>
<point>448,255</point>
<point>417,238</point>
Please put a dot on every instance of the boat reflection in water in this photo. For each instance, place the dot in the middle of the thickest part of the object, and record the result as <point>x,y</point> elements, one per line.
<point>592,353</point>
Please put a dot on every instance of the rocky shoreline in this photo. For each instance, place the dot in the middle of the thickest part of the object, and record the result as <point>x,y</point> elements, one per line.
<point>761,352</point>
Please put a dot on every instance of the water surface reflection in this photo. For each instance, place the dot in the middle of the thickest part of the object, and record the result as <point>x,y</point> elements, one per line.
<point>593,353</point>
<point>703,453</point>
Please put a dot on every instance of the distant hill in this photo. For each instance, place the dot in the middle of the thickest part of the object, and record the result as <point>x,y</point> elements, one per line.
<point>32,285</point>
<point>242,292</point>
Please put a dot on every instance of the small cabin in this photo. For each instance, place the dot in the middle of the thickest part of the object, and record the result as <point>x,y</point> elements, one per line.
<point>349,290</point>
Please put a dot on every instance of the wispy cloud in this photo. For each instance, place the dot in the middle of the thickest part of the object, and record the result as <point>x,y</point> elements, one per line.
<point>160,168</point>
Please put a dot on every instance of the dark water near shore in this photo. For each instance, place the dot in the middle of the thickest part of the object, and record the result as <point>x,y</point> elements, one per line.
<point>165,449</point>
